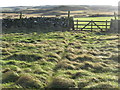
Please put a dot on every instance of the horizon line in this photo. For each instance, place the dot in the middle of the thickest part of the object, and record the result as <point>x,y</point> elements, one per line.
<point>54,5</point>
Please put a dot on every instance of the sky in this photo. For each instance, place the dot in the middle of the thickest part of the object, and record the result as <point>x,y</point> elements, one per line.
<point>6,3</point>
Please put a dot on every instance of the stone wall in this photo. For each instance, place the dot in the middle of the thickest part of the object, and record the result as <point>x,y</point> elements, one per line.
<point>38,22</point>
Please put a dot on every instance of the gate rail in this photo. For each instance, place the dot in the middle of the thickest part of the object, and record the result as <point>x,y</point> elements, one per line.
<point>92,25</point>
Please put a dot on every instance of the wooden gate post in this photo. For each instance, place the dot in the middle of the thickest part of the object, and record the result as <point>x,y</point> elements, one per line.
<point>68,20</point>
<point>106,25</point>
<point>77,24</point>
<point>115,16</point>
<point>20,15</point>
<point>91,25</point>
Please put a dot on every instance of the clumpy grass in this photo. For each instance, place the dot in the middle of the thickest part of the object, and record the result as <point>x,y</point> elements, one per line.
<point>115,57</point>
<point>28,81</point>
<point>80,73</point>
<point>53,55</point>
<point>83,83</point>
<point>52,59</point>
<point>103,85</point>
<point>25,56</point>
<point>9,76</point>
<point>86,60</point>
<point>70,56</point>
<point>60,82</point>
<point>85,57</point>
<point>64,64</point>
<point>10,85</point>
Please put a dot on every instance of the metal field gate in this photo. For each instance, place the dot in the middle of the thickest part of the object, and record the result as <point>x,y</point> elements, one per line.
<point>91,25</point>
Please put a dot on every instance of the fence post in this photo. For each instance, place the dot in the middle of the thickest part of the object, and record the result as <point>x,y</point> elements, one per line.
<point>91,25</point>
<point>106,25</point>
<point>20,23</point>
<point>20,15</point>
<point>115,16</point>
<point>77,24</point>
<point>68,20</point>
<point>111,24</point>
<point>72,23</point>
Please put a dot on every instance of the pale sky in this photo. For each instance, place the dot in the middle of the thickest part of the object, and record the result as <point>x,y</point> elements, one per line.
<point>6,3</point>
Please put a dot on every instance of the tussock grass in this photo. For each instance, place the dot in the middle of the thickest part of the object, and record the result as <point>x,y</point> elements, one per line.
<point>9,76</point>
<point>103,85</point>
<point>28,81</point>
<point>85,57</point>
<point>64,64</point>
<point>60,82</point>
<point>25,56</point>
<point>87,60</point>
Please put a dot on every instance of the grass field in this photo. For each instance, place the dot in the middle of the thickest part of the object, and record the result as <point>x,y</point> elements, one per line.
<point>60,59</point>
<point>94,19</point>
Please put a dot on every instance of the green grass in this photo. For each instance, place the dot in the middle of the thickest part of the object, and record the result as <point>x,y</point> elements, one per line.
<point>60,59</point>
<point>95,18</point>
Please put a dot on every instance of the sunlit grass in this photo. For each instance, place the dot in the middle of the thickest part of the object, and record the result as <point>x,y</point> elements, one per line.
<point>65,59</point>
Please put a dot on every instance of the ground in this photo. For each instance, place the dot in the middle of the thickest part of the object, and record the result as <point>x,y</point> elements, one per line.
<point>60,59</point>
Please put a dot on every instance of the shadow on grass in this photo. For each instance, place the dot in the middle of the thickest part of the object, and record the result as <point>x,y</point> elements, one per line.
<point>24,57</point>
<point>30,30</point>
